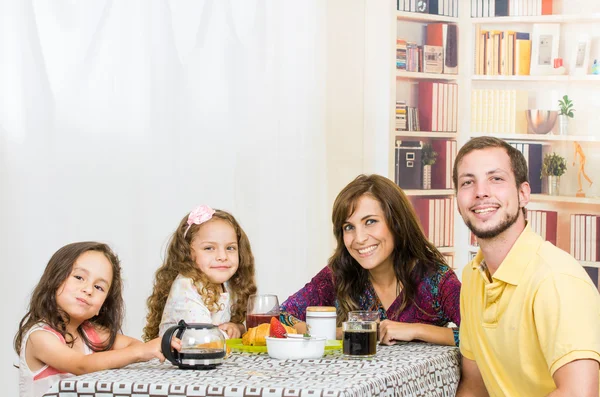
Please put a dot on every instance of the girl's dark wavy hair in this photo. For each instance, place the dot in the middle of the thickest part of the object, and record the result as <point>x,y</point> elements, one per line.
<point>43,306</point>
<point>413,257</point>
<point>179,261</point>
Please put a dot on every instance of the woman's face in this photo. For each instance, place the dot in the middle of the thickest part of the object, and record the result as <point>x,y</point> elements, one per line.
<point>367,236</point>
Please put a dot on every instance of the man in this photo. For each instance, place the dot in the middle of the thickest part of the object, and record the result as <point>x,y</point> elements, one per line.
<point>530,313</point>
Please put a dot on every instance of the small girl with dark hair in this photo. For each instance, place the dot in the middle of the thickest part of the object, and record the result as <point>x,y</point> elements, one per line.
<point>207,276</point>
<point>75,310</point>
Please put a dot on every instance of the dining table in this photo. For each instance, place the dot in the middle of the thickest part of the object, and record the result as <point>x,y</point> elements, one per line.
<point>402,369</point>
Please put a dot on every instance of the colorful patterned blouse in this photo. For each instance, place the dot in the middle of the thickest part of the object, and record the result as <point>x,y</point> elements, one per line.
<point>437,300</point>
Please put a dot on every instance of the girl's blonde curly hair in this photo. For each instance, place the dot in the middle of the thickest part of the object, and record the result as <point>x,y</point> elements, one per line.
<point>179,261</point>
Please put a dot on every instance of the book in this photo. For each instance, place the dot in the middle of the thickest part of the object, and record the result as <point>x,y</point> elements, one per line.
<point>428,105</point>
<point>522,54</point>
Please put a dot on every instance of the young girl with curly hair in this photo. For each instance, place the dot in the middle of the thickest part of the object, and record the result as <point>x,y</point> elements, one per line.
<point>206,278</point>
<point>76,310</point>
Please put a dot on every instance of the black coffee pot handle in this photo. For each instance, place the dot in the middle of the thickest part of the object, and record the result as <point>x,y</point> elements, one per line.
<point>165,345</point>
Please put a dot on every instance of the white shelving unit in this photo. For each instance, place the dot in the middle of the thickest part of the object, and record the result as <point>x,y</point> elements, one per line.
<point>582,89</point>
<point>574,18</point>
<point>410,26</point>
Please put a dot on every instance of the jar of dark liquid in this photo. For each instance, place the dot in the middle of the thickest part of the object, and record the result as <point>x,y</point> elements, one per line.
<point>359,338</point>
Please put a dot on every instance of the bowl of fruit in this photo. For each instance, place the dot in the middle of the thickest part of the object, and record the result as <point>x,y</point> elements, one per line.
<point>285,346</point>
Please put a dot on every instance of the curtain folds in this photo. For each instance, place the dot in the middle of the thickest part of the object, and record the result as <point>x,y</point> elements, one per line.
<point>118,117</point>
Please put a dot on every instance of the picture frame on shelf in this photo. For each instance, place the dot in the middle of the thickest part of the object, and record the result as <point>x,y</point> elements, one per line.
<point>580,58</point>
<point>545,40</point>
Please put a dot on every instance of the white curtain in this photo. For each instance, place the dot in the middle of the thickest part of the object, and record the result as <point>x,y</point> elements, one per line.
<point>119,116</point>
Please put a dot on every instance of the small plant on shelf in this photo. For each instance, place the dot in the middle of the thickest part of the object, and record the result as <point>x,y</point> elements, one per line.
<point>553,165</point>
<point>566,106</point>
<point>428,155</point>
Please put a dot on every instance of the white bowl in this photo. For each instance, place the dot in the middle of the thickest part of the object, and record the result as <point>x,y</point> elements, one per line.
<point>295,349</point>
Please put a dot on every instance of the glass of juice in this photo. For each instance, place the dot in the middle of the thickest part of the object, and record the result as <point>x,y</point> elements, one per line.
<point>359,338</point>
<point>261,308</point>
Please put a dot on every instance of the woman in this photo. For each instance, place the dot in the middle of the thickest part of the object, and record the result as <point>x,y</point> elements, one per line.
<point>383,262</point>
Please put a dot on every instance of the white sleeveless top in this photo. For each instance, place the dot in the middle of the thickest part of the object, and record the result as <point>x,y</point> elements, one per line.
<point>36,383</point>
<point>185,303</point>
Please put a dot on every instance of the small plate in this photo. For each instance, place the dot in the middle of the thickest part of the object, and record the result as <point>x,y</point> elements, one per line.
<point>237,345</point>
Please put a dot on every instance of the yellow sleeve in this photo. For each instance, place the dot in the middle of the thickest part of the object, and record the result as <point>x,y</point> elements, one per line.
<point>567,317</point>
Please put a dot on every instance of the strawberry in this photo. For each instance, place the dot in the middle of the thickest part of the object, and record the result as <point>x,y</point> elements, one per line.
<point>276,329</point>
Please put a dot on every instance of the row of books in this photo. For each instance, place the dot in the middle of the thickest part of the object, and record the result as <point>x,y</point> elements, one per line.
<point>510,8</point>
<point>435,7</point>
<point>533,156</point>
<point>585,237</point>
<point>438,106</point>
<point>544,223</point>
<point>502,53</point>
<point>498,111</point>
<point>407,117</point>
<point>409,168</point>
<point>437,219</point>
<point>439,53</point>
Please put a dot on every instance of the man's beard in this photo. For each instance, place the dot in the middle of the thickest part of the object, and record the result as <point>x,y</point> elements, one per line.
<point>508,221</point>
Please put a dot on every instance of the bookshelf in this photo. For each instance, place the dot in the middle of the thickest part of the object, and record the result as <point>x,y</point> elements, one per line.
<point>543,92</point>
<point>435,206</point>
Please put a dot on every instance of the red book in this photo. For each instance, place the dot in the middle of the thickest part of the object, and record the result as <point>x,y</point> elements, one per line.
<point>551,226</point>
<point>424,208</point>
<point>428,100</point>
<point>546,7</point>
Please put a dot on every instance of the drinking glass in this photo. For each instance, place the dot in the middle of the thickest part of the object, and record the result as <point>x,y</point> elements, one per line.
<point>365,315</point>
<point>261,308</point>
<point>359,338</point>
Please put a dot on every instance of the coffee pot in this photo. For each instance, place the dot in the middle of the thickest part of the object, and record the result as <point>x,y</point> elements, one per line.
<point>202,345</point>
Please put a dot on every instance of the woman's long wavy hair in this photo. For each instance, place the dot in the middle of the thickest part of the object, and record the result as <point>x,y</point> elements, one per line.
<point>43,306</point>
<point>413,255</point>
<point>179,261</point>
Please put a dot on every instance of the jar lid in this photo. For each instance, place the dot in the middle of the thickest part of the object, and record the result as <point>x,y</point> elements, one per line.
<point>320,309</point>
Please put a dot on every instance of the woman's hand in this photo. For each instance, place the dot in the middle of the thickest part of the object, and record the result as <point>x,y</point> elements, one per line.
<point>232,330</point>
<point>391,331</point>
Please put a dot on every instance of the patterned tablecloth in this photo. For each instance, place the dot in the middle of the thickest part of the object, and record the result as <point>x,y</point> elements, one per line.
<point>407,369</point>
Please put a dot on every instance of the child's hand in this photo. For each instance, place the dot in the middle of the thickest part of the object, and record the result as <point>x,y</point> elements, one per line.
<point>231,329</point>
<point>152,349</point>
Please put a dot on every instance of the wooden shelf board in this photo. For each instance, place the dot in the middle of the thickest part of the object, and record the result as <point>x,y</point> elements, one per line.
<point>558,78</point>
<point>426,134</point>
<point>420,17</point>
<point>574,18</point>
<point>446,250</point>
<point>565,199</point>
<point>429,192</point>
<point>403,74</point>
<point>541,137</point>
<point>590,264</point>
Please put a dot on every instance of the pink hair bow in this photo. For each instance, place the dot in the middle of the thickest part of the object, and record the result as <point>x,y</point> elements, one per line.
<point>198,216</point>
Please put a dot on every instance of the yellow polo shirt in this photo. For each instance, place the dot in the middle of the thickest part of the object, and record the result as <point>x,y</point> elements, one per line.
<point>539,312</point>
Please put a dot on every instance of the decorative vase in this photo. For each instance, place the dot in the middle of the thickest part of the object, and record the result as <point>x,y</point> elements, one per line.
<point>426,177</point>
<point>553,185</point>
<point>563,124</point>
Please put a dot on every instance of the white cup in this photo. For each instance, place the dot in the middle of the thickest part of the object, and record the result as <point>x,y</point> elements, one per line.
<point>321,321</point>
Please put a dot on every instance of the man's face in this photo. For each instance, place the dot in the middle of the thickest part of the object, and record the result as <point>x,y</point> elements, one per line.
<point>487,196</point>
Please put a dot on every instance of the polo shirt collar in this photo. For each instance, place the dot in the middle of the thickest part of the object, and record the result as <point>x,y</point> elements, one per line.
<point>520,255</point>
